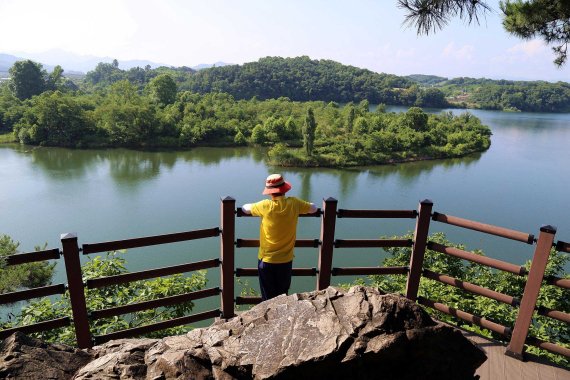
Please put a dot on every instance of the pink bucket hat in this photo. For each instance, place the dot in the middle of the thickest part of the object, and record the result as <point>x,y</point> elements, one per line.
<point>276,184</point>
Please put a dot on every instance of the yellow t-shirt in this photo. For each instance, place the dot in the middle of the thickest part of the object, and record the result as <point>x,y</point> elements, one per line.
<point>278,227</point>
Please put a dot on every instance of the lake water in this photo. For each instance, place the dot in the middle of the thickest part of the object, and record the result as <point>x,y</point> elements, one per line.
<point>521,182</point>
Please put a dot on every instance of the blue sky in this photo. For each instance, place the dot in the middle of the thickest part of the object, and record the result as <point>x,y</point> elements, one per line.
<point>363,33</point>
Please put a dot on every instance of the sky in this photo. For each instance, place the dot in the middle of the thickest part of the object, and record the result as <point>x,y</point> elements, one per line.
<point>363,33</point>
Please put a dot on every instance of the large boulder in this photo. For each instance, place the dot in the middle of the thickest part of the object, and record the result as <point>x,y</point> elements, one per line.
<point>25,358</point>
<point>330,334</point>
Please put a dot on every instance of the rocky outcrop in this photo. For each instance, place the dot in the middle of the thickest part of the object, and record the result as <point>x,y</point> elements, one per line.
<point>330,334</point>
<point>25,358</point>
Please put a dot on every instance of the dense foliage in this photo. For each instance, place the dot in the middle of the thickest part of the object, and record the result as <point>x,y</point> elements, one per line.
<point>538,96</point>
<point>17,277</point>
<point>111,296</point>
<point>304,79</point>
<point>351,136</point>
<point>552,297</point>
<point>123,113</point>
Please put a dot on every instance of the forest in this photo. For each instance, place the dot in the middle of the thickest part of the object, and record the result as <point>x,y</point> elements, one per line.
<point>502,95</point>
<point>150,109</point>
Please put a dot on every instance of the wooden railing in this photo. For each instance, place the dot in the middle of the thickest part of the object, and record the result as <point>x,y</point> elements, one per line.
<point>326,245</point>
<point>22,295</point>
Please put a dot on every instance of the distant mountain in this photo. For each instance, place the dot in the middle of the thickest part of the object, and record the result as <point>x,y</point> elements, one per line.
<point>208,65</point>
<point>71,63</point>
<point>6,61</point>
<point>80,64</point>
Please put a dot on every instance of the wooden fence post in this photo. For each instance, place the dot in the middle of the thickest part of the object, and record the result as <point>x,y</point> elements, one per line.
<point>328,223</point>
<point>227,253</point>
<point>76,290</point>
<point>418,249</point>
<point>531,290</point>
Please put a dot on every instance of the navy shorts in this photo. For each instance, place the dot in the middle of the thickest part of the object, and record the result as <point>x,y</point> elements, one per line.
<point>274,279</point>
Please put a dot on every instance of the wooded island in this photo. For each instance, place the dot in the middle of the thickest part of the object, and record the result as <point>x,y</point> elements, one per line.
<point>308,112</point>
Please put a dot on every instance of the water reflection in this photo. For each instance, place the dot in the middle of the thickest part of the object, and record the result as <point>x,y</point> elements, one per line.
<point>408,172</point>
<point>136,167</point>
<point>211,156</point>
<point>348,178</point>
<point>63,164</point>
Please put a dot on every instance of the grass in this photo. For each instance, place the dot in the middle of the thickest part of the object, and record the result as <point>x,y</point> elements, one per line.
<point>8,137</point>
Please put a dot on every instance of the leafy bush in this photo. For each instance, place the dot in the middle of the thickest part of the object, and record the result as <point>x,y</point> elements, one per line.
<point>544,328</point>
<point>115,295</point>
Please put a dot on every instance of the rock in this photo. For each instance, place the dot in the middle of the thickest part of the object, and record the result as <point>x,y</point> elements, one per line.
<point>330,334</point>
<point>22,358</point>
<point>118,359</point>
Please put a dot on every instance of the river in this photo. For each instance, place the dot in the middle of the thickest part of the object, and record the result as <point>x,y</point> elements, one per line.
<point>520,183</point>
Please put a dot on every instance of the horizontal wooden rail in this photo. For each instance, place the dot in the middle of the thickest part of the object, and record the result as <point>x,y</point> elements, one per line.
<point>472,288</point>
<point>377,214</point>
<point>152,304</point>
<point>253,272</point>
<point>562,246</point>
<point>150,240</point>
<point>486,228</point>
<point>484,260</point>
<point>137,331</point>
<point>30,257</point>
<point>37,327</point>
<point>557,281</point>
<point>152,273</point>
<point>248,300</point>
<point>479,321</point>
<point>372,243</point>
<point>301,243</point>
<point>556,314</point>
<point>316,214</point>
<point>21,295</point>
<point>554,348</point>
<point>357,271</point>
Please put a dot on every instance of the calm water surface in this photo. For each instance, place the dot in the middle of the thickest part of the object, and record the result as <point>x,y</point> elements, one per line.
<point>521,183</point>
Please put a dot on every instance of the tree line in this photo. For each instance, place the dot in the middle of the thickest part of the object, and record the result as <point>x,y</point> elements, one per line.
<point>507,95</point>
<point>155,114</point>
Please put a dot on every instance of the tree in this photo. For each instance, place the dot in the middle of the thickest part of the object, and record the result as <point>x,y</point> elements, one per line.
<point>309,129</point>
<point>55,78</point>
<point>162,89</point>
<point>104,75</point>
<point>27,78</point>
<point>258,134</point>
<point>54,119</point>
<point>547,19</point>
<point>28,275</point>
<point>416,119</point>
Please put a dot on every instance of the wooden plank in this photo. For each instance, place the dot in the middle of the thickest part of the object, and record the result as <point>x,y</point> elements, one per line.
<point>376,214</point>
<point>30,257</point>
<point>151,273</point>
<point>482,227</point>
<point>501,366</point>
<point>150,240</point>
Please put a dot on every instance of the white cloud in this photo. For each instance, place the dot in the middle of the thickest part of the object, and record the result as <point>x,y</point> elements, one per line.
<point>533,50</point>
<point>463,53</point>
<point>528,48</point>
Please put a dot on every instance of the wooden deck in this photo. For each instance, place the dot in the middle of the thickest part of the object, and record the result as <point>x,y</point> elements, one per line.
<point>500,366</point>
